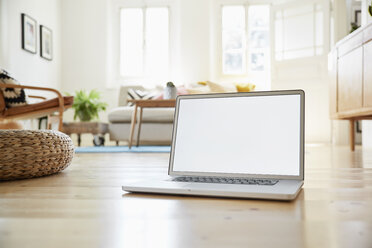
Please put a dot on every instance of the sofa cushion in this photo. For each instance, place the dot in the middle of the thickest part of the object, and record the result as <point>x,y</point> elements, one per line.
<point>124,114</point>
<point>136,94</point>
<point>123,94</point>
<point>13,97</point>
<point>221,88</point>
<point>199,90</point>
<point>151,133</point>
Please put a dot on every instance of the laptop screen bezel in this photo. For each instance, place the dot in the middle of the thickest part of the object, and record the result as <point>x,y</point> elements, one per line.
<point>301,93</point>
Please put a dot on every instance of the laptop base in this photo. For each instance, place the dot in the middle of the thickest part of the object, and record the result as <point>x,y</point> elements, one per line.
<point>284,190</point>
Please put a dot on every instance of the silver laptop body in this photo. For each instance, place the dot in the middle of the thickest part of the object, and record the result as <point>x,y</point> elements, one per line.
<point>244,145</point>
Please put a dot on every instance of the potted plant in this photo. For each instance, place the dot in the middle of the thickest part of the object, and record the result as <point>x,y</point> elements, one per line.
<point>87,105</point>
<point>170,91</point>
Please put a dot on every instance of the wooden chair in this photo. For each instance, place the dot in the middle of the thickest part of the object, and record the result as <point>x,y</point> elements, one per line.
<point>47,107</point>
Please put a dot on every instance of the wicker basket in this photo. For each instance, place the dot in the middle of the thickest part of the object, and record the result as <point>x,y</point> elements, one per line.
<point>27,154</point>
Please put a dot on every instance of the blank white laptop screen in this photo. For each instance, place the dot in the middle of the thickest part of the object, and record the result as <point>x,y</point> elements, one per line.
<point>249,135</point>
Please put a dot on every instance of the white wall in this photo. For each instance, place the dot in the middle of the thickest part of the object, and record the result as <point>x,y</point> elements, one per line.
<point>366,17</point>
<point>195,39</point>
<point>84,46</point>
<point>84,33</point>
<point>30,68</point>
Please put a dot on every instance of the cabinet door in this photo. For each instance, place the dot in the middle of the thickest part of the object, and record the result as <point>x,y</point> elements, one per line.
<point>367,82</point>
<point>350,69</point>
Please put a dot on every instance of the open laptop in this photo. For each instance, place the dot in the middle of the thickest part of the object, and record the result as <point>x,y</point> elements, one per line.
<point>245,145</point>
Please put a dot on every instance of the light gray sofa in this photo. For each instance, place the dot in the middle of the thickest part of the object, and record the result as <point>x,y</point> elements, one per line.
<point>157,123</point>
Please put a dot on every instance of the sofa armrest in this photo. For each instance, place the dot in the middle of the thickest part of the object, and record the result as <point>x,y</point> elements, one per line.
<point>123,93</point>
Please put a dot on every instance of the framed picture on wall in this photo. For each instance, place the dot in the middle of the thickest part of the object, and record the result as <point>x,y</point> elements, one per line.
<point>358,17</point>
<point>46,43</point>
<point>29,27</point>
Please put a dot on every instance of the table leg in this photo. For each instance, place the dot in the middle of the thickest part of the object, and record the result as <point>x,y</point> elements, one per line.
<point>352,135</point>
<point>132,126</point>
<point>49,122</point>
<point>79,138</point>
<point>139,126</point>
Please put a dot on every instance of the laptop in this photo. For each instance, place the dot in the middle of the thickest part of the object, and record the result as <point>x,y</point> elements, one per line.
<point>240,145</point>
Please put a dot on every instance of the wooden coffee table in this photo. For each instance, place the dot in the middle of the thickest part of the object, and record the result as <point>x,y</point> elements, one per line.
<point>141,104</point>
<point>95,128</point>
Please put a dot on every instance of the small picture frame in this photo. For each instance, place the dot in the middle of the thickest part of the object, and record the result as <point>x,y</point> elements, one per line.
<point>358,17</point>
<point>29,27</point>
<point>46,43</point>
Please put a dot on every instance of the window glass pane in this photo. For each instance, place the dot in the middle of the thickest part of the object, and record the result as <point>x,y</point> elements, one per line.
<point>279,35</point>
<point>233,63</point>
<point>257,61</point>
<point>233,39</point>
<point>319,28</point>
<point>258,19</point>
<point>258,16</point>
<point>259,39</point>
<point>157,42</point>
<point>131,42</point>
<point>233,17</point>
<point>299,31</point>
<point>279,55</point>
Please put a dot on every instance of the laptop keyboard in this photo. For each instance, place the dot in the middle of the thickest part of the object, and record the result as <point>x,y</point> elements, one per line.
<point>226,180</point>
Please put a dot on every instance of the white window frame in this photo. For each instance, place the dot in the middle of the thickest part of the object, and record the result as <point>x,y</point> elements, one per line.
<point>245,48</point>
<point>219,65</point>
<point>324,46</point>
<point>313,65</point>
<point>114,43</point>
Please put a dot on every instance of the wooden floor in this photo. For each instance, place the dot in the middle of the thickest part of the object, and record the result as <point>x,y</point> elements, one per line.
<point>85,207</point>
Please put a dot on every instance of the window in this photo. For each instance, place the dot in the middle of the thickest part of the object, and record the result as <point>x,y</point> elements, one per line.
<point>144,42</point>
<point>299,31</point>
<point>233,39</point>
<point>258,33</point>
<point>245,39</point>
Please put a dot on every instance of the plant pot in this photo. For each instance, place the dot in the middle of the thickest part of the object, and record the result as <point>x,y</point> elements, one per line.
<point>170,93</point>
<point>85,117</point>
